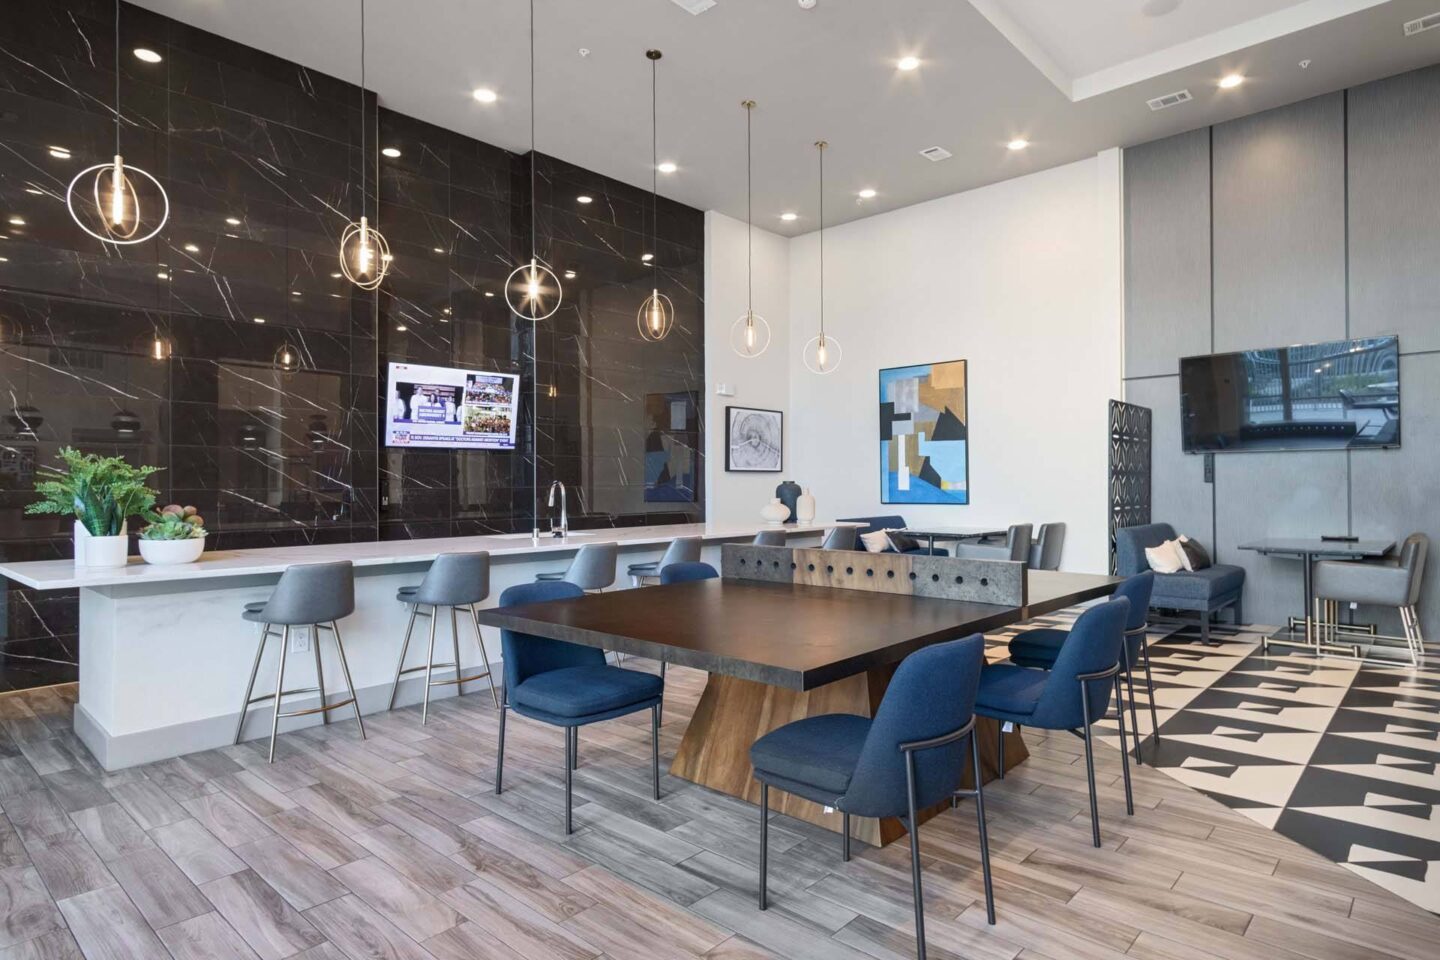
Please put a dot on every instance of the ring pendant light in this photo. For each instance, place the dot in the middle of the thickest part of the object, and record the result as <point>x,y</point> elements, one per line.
<point>364,254</point>
<point>750,334</point>
<point>822,352</point>
<point>532,289</point>
<point>103,199</point>
<point>656,315</point>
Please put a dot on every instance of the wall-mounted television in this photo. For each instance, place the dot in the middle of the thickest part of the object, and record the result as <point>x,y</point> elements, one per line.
<point>1342,395</point>
<point>450,408</point>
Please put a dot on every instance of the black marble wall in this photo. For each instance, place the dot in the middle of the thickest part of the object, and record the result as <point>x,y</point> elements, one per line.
<point>262,162</point>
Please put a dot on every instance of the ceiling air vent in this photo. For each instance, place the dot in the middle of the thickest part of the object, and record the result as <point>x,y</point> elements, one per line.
<point>936,154</point>
<point>1170,100</point>
<point>694,7</point>
<point>1422,24</point>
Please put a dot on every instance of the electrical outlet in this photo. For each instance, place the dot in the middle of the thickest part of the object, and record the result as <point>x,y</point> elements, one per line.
<point>300,640</point>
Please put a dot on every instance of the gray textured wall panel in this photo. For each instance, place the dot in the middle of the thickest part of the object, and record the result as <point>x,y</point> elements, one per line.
<point>1394,137</point>
<point>1279,218</point>
<point>1167,252</point>
<point>1179,495</point>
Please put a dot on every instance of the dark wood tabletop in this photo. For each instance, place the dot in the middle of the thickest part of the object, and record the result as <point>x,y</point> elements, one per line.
<point>787,635</point>
<point>1316,547</point>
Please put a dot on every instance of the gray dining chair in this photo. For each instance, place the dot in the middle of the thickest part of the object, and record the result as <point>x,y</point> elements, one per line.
<point>1393,581</point>
<point>314,595</point>
<point>1015,547</point>
<point>769,538</point>
<point>592,569</point>
<point>1049,543</point>
<point>457,581</point>
<point>681,550</point>
<point>840,538</point>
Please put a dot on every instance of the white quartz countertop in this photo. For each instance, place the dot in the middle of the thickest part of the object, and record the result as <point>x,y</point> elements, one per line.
<point>64,575</point>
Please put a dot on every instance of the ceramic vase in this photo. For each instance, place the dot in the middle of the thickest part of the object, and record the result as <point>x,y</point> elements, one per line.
<point>788,492</point>
<point>93,551</point>
<point>805,506</point>
<point>774,511</point>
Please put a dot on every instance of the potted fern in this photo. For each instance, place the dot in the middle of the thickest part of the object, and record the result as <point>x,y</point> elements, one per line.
<point>101,493</point>
<point>174,535</point>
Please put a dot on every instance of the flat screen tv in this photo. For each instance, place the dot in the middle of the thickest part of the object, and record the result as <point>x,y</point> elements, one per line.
<point>449,408</point>
<point>1343,395</point>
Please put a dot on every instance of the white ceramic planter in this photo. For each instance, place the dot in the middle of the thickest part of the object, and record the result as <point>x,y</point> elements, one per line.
<point>164,552</point>
<point>775,512</point>
<point>93,551</point>
<point>805,506</point>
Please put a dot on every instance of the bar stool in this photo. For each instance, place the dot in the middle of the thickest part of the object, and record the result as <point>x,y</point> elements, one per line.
<point>317,595</point>
<point>681,550</point>
<point>769,538</point>
<point>840,538</point>
<point>593,568</point>
<point>454,580</point>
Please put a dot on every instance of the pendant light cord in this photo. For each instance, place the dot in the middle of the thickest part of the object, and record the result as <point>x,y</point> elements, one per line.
<point>821,145</point>
<point>117,78</point>
<point>363,123</point>
<point>749,222</point>
<point>534,239</point>
<point>654,170</point>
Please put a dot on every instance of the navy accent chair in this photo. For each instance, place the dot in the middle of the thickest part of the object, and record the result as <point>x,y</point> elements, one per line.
<point>687,572</point>
<point>1072,695</point>
<point>568,685</point>
<point>907,758</point>
<point>1205,591</point>
<point>891,522</point>
<point>1039,648</point>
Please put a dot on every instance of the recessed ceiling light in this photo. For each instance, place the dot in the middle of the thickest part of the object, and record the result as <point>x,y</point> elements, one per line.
<point>667,167</point>
<point>485,95</point>
<point>438,249</point>
<point>391,152</point>
<point>233,221</point>
<point>787,216</point>
<point>259,319</point>
<point>17,221</point>
<point>489,294</point>
<point>191,248</point>
<point>569,274</point>
<point>584,199</point>
<point>60,153</point>
<point>647,257</point>
<point>867,193</point>
<point>162,275</point>
<point>446,311</point>
<point>1019,143</point>
<point>148,55</point>
<point>401,328</point>
<point>336,275</point>
<point>908,63</point>
<point>294,293</point>
<point>4,259</point>
<point>1231,81</point>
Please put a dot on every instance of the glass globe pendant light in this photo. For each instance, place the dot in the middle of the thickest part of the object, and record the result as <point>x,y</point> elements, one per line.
<point>750,334</point>
<point>822,352</point>
<point>364,254</point>
<point>532,289</point>
<point>104,199</point>
<point>657,314</point>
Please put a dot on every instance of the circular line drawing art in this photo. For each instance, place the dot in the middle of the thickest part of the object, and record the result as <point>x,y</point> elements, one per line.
<point>755,441</point>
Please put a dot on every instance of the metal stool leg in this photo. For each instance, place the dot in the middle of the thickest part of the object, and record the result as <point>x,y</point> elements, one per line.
<point>500,747</point>
<point>254,671</point>
<point>1000,763</point>
<point>279,686</point>
<point>429,667</point>
<point>319,677</point>
<point>455,648</point>
<point>404,648</point>
<point>485,657</point>
<point>345,669</point>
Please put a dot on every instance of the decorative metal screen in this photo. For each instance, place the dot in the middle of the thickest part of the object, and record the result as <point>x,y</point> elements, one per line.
<point>1129,468</point>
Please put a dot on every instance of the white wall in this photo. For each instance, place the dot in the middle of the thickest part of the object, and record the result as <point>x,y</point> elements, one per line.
<point>1023,280</point>
<point>762,381</point>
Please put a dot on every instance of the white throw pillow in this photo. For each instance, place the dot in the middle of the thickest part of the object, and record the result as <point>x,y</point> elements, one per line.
<point>877,542</point>
<point>1166,558</point>
<point>1184,555</point>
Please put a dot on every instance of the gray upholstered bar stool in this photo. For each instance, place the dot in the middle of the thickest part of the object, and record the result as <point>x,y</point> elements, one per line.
<point>456,581</point>
<point>593,568</point>
<point>1048,545</point>
<point>769,538</point>
<point>1393,581</point>
<point>681,550</point>
<point>840,538</point>
<point>315,595</point>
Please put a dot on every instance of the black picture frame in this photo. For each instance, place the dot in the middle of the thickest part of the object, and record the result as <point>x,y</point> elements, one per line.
<point>730,466</point>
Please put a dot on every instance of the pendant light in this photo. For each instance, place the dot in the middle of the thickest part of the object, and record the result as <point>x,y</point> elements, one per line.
<point>822,352</point>
<point>749,335</point>
<point>364,254</point>
<point>104,201</point>
<point>657,314</point>
<point>532,289</point>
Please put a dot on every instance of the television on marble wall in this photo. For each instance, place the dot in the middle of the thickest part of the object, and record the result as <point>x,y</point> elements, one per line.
<point>1340,395</point>
<point>450,408</point>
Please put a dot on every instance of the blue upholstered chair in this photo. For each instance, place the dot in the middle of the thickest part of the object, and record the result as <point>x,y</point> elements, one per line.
<point>686,572</point>
<point>681,550</point>
<point>891,522</point>
<point>1040,647</point>
<point>1070,696</point>
<point>568,685</point>
<point>1204,591</point>
<point>907,758</point>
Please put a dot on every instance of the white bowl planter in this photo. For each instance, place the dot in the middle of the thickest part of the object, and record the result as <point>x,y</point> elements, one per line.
<point>163,552</point>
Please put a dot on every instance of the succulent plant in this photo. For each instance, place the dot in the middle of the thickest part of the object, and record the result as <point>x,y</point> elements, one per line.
<point>174,522</point>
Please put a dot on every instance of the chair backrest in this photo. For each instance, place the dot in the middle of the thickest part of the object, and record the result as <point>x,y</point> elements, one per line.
<point>456,580</point>
<point>931,694</point>
<point>1137,590</point>
<point>1049,544</point>
<point>1017,539</point>
<point>1412,558</point>
<point>840,538</point>
<point>594,566</point>
<point>1130,544</point>
<point>872,524</point>
<point>681,550</point>
<point>1092,645</point>
<point>312,593</point>
<point>685,572</point>
<point>769,538</point>
<point>526,654</point>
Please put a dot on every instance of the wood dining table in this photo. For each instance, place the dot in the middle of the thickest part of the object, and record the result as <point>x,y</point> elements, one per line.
<point>778,652</point>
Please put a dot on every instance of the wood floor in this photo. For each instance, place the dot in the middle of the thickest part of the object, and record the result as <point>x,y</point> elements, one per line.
<point>397,848</point>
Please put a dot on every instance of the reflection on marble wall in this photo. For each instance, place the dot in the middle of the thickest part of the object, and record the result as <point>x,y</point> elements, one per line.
<point>157,351</point>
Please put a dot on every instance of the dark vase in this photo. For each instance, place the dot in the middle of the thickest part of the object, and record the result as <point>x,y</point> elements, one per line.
<point>789,492</point>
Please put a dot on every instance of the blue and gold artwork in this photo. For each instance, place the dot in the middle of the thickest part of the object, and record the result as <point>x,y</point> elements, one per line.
<point>924,434</point>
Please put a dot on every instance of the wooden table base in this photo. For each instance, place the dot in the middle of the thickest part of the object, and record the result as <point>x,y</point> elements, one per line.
<point>733,714</point>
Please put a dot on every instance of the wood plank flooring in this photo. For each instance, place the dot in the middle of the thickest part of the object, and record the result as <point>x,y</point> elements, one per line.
<point>397,848</point>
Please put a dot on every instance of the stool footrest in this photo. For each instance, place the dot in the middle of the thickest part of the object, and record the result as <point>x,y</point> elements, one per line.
<point>328,706</point>
<point>478,676</point>
<point>284,693</point>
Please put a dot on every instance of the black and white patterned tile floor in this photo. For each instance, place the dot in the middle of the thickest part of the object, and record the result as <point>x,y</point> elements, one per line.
<point>1341,756</point>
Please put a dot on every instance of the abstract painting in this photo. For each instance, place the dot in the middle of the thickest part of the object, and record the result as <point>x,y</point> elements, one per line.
<point>924,434</point>
<point>672,444</point>
<point>754,440</point>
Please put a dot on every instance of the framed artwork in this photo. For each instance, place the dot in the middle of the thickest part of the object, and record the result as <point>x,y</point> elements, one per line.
<point>925,434</point>
<point>754,440</point>
<point>672,444</point>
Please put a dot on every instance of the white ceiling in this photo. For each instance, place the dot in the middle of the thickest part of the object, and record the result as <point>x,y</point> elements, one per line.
<point>828,72</point>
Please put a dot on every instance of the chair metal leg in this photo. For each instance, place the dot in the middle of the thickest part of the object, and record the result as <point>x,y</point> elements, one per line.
<point>764,841</point>
<point>254,671</point>
<point>1090,764</point>
<point>455,648</point>
<point>913,825</point>
<point>569,776</point>
<point>655,748</point>
<point>429,667</point>
<point>662,681</point>
<point>320,678</point>
<point>845,836</point>
<point>1130,701</point>
<point>500,748</point>
<point>485,657</point>
<point>1000,739</point>
<point>1150,691</point>
<point>279,686</point>
<point>345,669</point>
<point>984,834</point>
<point>404,648</point>
<point>1125,757</point>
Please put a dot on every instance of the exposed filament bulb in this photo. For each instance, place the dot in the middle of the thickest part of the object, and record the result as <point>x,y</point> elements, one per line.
<point>117,192</point>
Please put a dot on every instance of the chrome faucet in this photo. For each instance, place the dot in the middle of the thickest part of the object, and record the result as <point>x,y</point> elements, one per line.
<point>564,529</point>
